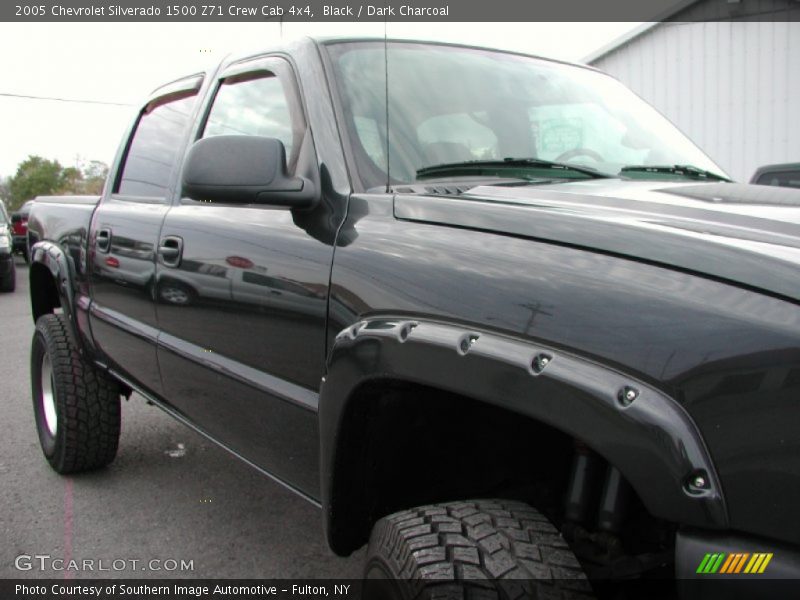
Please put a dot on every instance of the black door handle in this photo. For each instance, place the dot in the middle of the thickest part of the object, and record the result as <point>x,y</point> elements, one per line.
<point>170,250</point>
<point>103,239</point>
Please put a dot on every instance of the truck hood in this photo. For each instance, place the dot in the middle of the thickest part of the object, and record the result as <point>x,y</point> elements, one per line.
<point>745,234</point>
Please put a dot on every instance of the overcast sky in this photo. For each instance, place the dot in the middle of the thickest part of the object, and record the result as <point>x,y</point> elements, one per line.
<point>122,63</point>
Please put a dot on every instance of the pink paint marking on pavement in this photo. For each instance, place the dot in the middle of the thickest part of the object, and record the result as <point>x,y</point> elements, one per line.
<point>68,520</point>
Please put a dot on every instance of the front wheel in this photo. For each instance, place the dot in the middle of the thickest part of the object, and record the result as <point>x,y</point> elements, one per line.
<point>9,282</point>
<point>76,406</point>
<point>176,293</point>
<point>496,549</point>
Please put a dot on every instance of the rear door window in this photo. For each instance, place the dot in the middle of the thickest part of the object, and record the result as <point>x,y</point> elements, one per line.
<point>153,150</point>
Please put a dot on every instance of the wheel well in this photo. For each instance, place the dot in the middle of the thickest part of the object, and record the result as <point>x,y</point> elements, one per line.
<point>404,445</point>
<point>44,293</point>
<point>45,299</point>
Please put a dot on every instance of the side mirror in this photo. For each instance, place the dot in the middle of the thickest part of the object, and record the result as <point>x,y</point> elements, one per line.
<point>244,169</point>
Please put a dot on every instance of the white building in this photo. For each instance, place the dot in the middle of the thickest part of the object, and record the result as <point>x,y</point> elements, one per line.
<point>723,74</point>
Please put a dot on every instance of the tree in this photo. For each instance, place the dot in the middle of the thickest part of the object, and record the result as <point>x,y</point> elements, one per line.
<point>94,177</point>
<point>35,176</point>
<point>5,193</point>
<point>71,181</point>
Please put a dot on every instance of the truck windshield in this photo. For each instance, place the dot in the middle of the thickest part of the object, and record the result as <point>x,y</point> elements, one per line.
<point>450,104</point>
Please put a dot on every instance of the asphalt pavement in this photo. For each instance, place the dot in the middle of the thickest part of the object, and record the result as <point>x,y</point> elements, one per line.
<point>172,504</point>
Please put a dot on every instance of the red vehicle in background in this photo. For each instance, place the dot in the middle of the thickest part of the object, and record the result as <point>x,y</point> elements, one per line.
<point>19,228</point>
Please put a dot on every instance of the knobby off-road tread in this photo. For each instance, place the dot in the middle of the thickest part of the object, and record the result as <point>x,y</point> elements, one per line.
<point>496,549</point>
<point>87,403</point>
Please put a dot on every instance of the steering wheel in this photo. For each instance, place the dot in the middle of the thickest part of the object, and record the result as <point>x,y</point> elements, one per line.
<point>575,152</point>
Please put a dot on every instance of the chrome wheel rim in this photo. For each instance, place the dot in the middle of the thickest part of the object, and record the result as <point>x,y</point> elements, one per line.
<point>175,295</point>
<point>48,396</point>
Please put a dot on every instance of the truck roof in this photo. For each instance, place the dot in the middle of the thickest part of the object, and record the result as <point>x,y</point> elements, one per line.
<point>304,43</point>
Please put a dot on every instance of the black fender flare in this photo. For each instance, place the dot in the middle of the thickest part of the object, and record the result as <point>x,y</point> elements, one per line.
<point>638,428</point>
<point>53,257</point>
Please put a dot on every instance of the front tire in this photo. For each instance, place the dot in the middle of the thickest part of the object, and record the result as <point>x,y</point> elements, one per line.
<point>76,406</point>
<point>497,549</point>
<point>176,293</point>
<point>9,282</point>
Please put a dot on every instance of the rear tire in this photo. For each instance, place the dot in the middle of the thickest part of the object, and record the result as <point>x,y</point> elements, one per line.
<point>496,549</point>
<point>76,406</point>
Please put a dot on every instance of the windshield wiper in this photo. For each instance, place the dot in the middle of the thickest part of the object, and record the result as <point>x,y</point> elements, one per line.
<point>501,167</point>
<point>680,170</point>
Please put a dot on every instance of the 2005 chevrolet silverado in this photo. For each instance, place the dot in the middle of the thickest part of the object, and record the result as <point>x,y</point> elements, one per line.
<point>398,277</point>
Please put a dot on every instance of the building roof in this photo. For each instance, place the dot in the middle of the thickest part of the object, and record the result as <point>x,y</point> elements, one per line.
<point>638,31</point>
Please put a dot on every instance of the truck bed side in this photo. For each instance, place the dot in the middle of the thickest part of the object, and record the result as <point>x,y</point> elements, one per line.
<point>58,229</point>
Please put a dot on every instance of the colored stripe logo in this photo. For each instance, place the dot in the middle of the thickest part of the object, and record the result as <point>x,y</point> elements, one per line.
<point>734,563</point>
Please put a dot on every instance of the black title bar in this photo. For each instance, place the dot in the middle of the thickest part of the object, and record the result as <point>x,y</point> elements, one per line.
<point>391,10</point>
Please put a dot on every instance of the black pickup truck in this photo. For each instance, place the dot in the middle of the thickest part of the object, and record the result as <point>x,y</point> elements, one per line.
<point>492,313</point>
